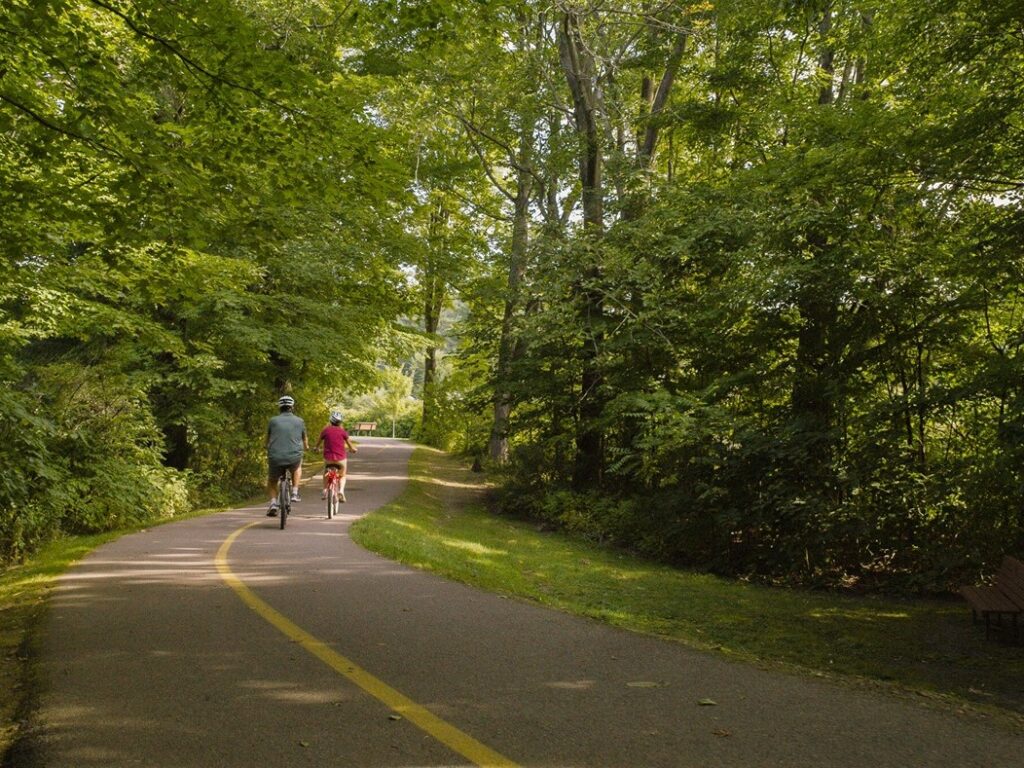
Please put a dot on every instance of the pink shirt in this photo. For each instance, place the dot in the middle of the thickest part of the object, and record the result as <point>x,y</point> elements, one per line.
<point>334,442</point>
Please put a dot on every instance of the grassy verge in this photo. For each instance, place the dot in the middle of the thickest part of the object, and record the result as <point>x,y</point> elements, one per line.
<point>927,648</point>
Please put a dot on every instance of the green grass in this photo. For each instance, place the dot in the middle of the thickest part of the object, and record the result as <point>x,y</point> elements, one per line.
<point>924,646</point>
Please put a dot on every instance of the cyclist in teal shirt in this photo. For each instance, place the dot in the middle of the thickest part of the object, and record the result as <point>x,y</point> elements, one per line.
<point>286,440</point>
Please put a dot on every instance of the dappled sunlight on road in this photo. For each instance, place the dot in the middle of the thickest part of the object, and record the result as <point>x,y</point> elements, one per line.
<point>147,627</point>
<point>185,552</point>
<point>94,735</point>
<point>82,585</point>
<point>572,685</point>
<point>363,478</point>
<point>290,692</point>
<point>68,721</point>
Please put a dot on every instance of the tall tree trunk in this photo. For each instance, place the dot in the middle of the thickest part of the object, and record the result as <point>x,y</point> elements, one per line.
<point>498,443</point>
<point>178,452</point>
<point>170,407</point>
<point>658,101</point>
<point>814,386</point>
<point>922,405</point>
<point>433,303</point>
<point>580,74</point>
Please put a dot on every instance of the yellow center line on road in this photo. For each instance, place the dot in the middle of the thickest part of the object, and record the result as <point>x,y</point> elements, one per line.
<point>445,733</point>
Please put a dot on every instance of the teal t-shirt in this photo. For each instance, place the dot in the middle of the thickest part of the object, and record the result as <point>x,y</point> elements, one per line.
<point>285,433</point>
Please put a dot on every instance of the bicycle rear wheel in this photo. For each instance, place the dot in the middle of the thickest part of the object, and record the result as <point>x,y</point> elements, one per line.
<point>284,497</point>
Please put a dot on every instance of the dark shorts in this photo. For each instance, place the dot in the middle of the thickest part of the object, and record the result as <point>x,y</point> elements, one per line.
<point>275,470</point>
<point>339,464</point>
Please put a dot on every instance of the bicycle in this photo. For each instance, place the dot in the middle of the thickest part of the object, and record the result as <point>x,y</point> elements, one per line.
<point>333,484</point>
<point>284,496</point>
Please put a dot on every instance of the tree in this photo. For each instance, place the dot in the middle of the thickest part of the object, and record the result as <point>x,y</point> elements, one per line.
<point>395,393</point>
<point>196,214</point>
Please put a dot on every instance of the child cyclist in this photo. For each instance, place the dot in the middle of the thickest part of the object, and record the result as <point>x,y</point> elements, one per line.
<point>335,440</point>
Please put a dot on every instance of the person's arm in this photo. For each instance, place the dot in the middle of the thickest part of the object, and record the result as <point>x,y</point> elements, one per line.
<point>350,445</point>
<point>305,441</point>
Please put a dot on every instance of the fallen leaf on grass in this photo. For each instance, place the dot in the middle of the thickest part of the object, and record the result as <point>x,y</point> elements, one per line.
<point>722,732</point>
<point>303,744</point>
<point>394,717</point>
<point>708,703</point>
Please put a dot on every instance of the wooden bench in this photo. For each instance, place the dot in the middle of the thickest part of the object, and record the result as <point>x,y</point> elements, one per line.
<point>364,426</point>
<point>1004,599</point>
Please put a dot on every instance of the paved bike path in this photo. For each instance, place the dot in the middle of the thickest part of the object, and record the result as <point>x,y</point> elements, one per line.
<point>151,659</point>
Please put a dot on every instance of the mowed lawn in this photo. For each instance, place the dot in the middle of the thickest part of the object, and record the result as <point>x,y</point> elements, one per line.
<point>920,647</point>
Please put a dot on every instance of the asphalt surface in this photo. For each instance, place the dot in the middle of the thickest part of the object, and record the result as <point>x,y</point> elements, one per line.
<point>153,657</point>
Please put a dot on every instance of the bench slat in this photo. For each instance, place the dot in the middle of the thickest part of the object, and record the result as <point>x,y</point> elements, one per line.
<point>1010,579</point>
<point>1013,591</point>
<point>989,600</point>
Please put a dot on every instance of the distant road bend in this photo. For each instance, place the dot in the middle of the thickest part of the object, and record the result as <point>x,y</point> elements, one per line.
<point>224,641</point>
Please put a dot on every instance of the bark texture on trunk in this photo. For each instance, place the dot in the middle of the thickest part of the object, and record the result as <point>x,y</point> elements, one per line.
<point>433,302</point>
<point>507,346</point>
<point>815,385</point>
<point>580,75</point>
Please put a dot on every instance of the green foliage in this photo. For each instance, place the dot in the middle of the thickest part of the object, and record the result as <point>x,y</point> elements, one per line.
<point>801,324</point>
<point>390,406</point>
<point>786,342</point>
<point>198,213</point>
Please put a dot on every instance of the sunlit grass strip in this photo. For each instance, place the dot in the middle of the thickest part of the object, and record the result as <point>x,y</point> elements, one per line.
<point>928,646</point>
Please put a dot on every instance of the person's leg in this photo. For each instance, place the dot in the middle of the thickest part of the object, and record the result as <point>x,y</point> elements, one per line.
<point>296,479</point>
<point>271,482</point>
<point>272,475</point>
<point>342,476</point>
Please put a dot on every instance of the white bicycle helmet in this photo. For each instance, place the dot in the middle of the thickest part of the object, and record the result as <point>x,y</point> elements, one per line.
<point>286,401</point>
<point>336,417</point>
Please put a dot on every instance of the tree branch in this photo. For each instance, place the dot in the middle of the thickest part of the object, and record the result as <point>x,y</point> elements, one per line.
<point>45,122</point>
<point>487,167</point>
<point>513,162</point>
<point>476,206</point>
<point>661,99</point>
<point>190,63</point>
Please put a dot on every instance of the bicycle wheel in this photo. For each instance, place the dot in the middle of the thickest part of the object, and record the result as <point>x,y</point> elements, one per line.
<point>331,501</point>
<point>284,496</point>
